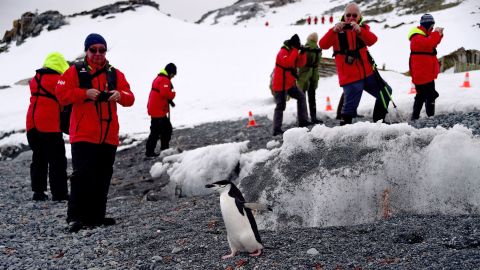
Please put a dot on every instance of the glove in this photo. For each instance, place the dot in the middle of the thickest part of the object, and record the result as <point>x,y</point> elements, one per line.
<point>171,103</point>
<point>295,41</point>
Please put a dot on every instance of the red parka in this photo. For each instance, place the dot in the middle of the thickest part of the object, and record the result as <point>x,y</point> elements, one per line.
<point>288,59</point>
<point>361,67</point>
<point>89,121</point>
<point>44,111</point>
<point>159,95</point>
<point>424,66</point>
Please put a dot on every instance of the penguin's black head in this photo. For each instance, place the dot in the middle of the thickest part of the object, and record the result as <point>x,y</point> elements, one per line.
<point>220,185</point>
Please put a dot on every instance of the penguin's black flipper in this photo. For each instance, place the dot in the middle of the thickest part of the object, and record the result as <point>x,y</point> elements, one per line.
<point>257,206</point>
<point>240,205</point>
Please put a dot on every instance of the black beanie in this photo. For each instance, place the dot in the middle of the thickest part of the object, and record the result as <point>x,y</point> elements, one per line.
<point>295,41</point>
<point>171,69</point>
<point>427,21</point>
<point>94,39</point>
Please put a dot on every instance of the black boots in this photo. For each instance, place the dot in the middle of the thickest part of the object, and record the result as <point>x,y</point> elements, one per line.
<point>346,119</point>
<point>39,196</point>
<point>417,107</point>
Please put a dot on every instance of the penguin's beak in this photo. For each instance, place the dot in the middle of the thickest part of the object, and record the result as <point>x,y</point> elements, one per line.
<point>209,186</point>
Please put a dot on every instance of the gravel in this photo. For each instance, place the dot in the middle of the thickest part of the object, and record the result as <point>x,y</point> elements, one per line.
<point>161,232</point>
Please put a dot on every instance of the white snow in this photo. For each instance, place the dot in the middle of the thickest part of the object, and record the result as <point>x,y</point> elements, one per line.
<point>224,72</point>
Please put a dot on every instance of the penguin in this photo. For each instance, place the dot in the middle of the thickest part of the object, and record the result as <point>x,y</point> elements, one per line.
<point>242,231</point>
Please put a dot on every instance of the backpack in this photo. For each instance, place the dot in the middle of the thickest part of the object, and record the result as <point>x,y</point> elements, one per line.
<point>85,81</point>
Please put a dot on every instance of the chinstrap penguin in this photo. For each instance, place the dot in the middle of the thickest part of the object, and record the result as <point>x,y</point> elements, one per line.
<point>242,232</point>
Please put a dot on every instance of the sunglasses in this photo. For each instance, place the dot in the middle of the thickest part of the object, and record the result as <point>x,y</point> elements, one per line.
<point>348,15</point>
<point>95,50</point>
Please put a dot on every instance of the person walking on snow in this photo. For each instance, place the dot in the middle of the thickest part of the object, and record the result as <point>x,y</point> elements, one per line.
<point>350,38</point>
<point>308,75</point>
<point>94,88</point>
<point>158,107</point>
<point>284,83</point>
<point>424,66</point>
<point>43,132</point>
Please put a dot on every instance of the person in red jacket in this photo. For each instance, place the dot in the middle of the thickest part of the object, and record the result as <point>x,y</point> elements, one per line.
<point>309,20</point>
<point>350,38</point>
<point>43,132</point>
<point>159,101</point>
<point>315,20</point>
<point>424,66</point>
<point>284,83</point>
<point>94,88</point>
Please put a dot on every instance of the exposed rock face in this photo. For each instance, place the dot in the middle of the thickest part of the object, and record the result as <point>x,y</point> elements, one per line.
<point>31,24</point>
<point>118,7</point>
<point>246,8</point>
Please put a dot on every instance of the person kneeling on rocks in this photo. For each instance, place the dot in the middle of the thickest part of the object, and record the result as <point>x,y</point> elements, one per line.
<point>284,83</point>
<point>159,101</point>
<point>94,88</point>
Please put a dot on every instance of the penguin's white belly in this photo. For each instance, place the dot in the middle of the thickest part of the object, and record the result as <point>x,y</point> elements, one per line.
<point>239,231</point>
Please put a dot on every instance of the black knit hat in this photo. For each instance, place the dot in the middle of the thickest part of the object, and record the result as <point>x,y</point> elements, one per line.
<point>171,69</point>
<point>94,39</point>
<point>427,21</point>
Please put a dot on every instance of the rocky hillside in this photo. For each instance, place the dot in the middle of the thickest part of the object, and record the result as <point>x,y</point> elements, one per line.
<point>31,24</point>
<point>247,9</point>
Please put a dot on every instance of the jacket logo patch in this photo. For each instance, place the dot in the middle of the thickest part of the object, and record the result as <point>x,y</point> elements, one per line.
<point>60,82</point>
<point>165,85</point>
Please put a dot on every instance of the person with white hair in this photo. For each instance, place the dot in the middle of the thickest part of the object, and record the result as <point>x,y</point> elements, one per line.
<point>308,75</point>
<point>350,38</point>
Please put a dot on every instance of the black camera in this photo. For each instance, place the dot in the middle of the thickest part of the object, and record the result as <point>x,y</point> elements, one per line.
<point>350,56</point>
<point>104,96</point>
<point>347,27</point>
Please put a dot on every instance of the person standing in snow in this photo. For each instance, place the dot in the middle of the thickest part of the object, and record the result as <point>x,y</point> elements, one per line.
<point>94,88</point>
<point>424,65</point>
<point>308,75</point>
<point>161,96</point>
<point>284,83</point>
<point>43,132</point>
<point>350,38</point>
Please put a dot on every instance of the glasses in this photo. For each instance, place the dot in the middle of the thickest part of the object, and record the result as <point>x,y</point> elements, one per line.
<point>95,50</point>
<point>348,15</point>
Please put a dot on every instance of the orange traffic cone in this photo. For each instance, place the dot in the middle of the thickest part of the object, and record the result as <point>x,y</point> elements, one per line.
<point>328,108</point>
<point>251,120</point>
<point>413,91</point>
<point>466,82</point>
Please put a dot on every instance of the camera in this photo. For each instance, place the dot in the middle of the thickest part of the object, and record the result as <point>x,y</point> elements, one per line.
<point>104,96</point>
<point>350,56</point>
<point>347,27</point>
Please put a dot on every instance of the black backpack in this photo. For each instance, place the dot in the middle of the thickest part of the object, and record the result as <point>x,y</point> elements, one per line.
<point>85,81</point>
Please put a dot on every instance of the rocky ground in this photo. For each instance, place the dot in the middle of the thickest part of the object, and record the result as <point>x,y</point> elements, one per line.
<point>188,233</point>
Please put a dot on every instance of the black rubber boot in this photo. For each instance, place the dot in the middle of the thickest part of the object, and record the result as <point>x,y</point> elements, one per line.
<point>379,111</point>
<point>417,107</point>
<point>346,119</point>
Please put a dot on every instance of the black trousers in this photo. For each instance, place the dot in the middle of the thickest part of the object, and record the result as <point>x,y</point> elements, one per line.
<point>159,128</point>
<point>48,158</point>
<point>92,172</point>
<point>427,94</point>
<point>281,101</point>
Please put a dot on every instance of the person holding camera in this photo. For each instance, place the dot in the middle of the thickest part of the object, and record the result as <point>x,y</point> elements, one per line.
<point>308,75</point>
<point>94,88</point>
<point>159,101</point>
<point>350,38</point>
<point>423,62</point>
<point>284,83</point>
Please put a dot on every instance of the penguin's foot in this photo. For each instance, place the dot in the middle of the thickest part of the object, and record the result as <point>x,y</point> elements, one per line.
<point>256,253</point>
<point>229,255</point>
